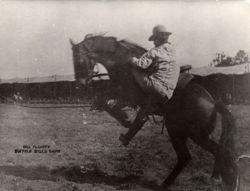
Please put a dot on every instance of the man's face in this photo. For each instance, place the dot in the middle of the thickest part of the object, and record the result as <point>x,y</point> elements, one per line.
<point>157,42</point>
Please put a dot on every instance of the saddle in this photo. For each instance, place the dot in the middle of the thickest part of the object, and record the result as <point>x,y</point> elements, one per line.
<point>183,80</point>
<point>185,77</point>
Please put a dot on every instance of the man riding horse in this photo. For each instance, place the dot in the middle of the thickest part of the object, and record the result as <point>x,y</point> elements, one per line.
<point>157,74</point>
<point>148,83</point>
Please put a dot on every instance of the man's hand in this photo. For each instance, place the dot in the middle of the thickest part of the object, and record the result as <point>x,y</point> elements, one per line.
<point>124,140</point>
<point>133,61</point>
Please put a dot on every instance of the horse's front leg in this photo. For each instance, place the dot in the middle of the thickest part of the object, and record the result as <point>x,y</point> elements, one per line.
<point>216,170</point>
<point>117,112</point>
<point>138,123</point>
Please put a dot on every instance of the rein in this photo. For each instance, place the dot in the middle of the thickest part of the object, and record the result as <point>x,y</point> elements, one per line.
<point>99,75</point>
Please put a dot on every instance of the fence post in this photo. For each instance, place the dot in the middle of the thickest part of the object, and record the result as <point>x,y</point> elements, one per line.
<point>27,89</point>
<point>234,88</point>
<point>54,86</point>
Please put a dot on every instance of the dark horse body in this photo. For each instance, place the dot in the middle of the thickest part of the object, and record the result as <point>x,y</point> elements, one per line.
<point>191,113</point>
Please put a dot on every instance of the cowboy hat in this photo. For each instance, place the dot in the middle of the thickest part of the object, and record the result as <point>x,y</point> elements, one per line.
<point>158,30</point>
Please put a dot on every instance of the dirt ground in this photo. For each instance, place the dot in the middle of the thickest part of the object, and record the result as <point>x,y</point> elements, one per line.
<point>73,149</point>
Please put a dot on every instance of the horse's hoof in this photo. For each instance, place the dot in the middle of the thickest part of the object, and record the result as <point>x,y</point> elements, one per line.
<point>215,179</point>
<point>123,140</point>
<point>215,175</point>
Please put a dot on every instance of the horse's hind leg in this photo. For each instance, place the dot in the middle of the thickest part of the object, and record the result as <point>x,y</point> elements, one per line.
<point>209,145</point>
<point>216,171</point>
<point>184,157</point>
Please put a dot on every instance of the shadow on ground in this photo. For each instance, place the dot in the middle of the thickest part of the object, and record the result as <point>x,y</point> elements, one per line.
<point>78,174</point>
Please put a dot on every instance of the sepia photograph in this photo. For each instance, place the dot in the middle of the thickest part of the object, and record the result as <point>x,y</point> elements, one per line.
<point>126,95</point>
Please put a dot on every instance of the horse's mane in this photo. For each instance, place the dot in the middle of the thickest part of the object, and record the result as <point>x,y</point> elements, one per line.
<point>128,45</point>
<point>91,35</point>
<point>132,46</point>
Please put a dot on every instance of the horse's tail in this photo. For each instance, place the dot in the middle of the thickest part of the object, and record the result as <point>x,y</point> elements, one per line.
<point>228,128</point>
<point>228,167</point>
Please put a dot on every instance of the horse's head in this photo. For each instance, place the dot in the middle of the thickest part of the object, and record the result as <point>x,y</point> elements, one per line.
<point>114,55</point>
<point>92,49</point>
<point>111,53</point>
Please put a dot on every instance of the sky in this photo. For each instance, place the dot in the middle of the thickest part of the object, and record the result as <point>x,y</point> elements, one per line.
<point>34,35</point>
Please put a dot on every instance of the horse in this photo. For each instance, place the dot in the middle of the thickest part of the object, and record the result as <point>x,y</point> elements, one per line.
<point>190,113</point>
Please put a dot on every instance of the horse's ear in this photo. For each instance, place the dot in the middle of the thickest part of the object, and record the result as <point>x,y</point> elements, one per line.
<point>71,42</point>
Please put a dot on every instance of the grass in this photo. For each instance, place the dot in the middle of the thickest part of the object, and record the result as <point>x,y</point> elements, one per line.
<point>93,142</point>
